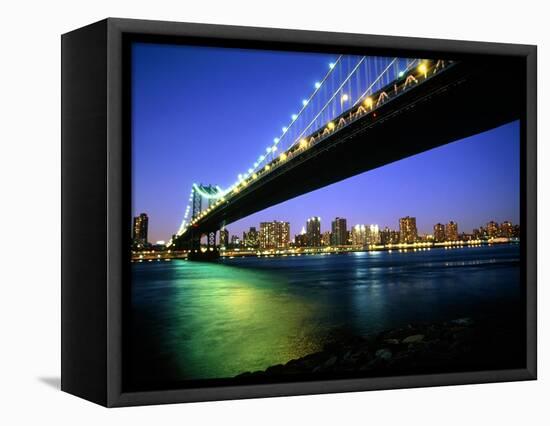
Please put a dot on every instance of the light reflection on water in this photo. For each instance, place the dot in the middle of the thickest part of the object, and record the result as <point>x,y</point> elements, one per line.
<point>215,320</point>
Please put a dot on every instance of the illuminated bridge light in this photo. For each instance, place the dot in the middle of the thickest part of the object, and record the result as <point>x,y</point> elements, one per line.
<point>254,176</point>
<point>317,85</point>
<point>345,97</point>
<point>250,171</point>
<point>274,149</point>
<point>268,149</point>
<point>294,117</point>
<point>267,166</point>
<point>303,143</point>
<point>283,156</point>
<point>276,140</point>
<point>284,129</point>
<point>401,74</point>
<point>331,65</point>
<point>304,102</point>
<point>368,102</point>
<point>330,125</point>
<point>255,164</point>
<point>261,158</point>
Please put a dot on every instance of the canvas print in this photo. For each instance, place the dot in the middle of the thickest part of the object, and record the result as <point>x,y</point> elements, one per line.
<point>317,216</point>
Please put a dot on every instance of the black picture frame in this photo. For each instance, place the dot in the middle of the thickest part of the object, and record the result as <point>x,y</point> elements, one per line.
<point>96,182</point>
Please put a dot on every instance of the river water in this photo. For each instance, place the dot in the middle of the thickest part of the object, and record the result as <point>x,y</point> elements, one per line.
<point>193,320</point>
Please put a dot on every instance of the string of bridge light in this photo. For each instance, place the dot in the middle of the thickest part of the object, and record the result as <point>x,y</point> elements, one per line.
<point>294,118</point>
<point>271,149</point>
<point>220,195</point>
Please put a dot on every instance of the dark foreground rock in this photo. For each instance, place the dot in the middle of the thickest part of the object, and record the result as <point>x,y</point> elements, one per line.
<point>462,344</point>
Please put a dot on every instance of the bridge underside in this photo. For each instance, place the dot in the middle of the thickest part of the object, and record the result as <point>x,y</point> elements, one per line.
<point>465,100</point>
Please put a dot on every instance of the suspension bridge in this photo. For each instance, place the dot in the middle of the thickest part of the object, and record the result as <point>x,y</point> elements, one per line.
<point>365,112</point>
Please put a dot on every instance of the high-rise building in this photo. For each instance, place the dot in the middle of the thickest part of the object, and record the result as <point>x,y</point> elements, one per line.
<point>339,232</point>
<point>359,235</point>
<point>326,238</point>
<point>251,238</point>
<point>389,236</point>
<point>506,229</point>
<point>439,233</point>
<point>274,235</point>
<point>451,231</point>
<point>224,238</point>
<point>141,225</point>
<point>300,240</point>
<point>235,241</point>
<point>407,230</point>
<point>492,229</point>
<point>373,234</point>
<point>313,231</point>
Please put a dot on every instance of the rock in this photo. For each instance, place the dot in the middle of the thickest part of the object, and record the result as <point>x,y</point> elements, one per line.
<point>463,321</point>
<point>415,338</point>
<point>275,369</point>
<point>384,353</point>
<point>330,362</point>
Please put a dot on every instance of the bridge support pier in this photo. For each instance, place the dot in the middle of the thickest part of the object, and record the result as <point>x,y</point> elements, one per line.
<point>209,254</point>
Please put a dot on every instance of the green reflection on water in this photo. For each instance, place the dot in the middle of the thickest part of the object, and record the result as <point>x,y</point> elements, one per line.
<point>225,320</point>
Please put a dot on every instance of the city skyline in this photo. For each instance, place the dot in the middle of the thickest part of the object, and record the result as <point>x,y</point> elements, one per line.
<point>341,231</point>
<point>464,181</point>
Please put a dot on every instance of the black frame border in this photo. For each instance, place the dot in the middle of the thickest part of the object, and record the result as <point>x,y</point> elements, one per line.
<point>274,39</point>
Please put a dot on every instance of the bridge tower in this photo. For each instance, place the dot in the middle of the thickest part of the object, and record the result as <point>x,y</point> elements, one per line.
<point>196,208</point>
<point>211,252</point>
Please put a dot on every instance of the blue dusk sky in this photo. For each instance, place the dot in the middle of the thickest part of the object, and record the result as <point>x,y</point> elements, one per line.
<point>203,114</point>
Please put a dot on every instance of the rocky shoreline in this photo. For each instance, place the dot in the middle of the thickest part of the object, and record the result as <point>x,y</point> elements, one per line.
<point>461,344</point>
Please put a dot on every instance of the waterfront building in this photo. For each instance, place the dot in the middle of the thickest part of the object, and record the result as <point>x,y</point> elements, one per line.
<point>140,229</point>
<point>235,242</point>
<point>480,233</point>
<point>389,236</point>
<point>224,238</point>
<point>313,231</point>
<point>439,233</point>
<point>359,235</point>
<point>300,240</point>
<point>506,229</point>
<point>407,230</point>
<point>339,233</point>
<point>326,238</point>
<point>251,238</point>
<point>451,231</point>
<point>373,234</point>
<point>493,229</point>
<point>274,235</point>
